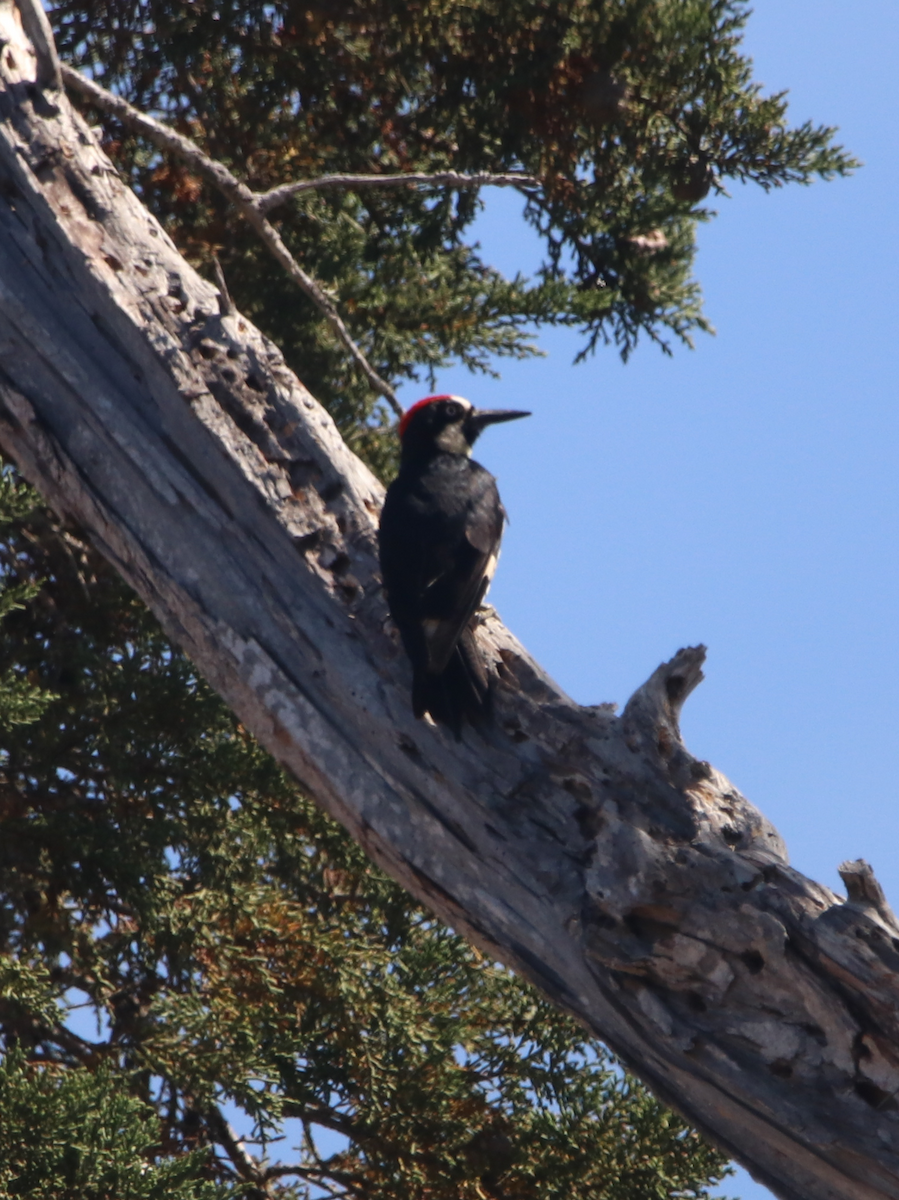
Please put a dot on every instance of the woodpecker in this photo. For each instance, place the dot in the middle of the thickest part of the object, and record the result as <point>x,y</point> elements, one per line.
<point>440,532</point>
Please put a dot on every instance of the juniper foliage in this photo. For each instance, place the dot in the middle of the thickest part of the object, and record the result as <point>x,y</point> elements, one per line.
<point>631,111</point>
<point>185,938</point>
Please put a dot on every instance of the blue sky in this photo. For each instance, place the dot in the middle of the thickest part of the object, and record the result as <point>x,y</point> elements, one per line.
<point>746,494</point>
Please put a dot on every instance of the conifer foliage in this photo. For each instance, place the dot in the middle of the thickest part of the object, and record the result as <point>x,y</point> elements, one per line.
<point>185,941</point>
<point>630,112</point>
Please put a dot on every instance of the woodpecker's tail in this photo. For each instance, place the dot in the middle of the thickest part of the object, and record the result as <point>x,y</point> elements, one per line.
<point>461,692</point>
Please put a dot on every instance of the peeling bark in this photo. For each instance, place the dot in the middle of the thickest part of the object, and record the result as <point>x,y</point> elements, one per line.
<point>629,881</point>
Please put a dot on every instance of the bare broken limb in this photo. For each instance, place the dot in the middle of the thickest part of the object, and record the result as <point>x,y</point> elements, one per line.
<point>245,1165</point>
<point>37,30</point>
<point>455,179</point>
<point>628,880</point>
<point>226,304</point>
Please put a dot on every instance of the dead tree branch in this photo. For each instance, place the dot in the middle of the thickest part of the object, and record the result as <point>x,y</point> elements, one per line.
<point>243,200</point>
<point>40,35</point>
<point>454,179</point>
<point>628,880</point>
<point>254,205</point>
<point>245,1165</point>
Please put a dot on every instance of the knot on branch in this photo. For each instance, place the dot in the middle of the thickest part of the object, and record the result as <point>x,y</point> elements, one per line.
<point>654,709</point>
<point>862,888</point>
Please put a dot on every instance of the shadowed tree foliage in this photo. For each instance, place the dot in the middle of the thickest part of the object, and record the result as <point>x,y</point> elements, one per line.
<point>225,947</point>
<point>630,111</point>
<point>77,1133</point>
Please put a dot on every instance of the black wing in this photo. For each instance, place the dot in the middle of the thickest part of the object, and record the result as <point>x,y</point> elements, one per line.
<point>440,538</point>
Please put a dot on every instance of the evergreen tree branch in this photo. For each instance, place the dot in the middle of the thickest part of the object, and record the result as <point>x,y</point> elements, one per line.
<point>243,199</point>
<point>244,1163</point>
<point>254,205</point>
<point>318,1178</point>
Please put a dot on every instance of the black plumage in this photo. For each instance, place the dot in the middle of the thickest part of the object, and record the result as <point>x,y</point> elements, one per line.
<point>440,534</point>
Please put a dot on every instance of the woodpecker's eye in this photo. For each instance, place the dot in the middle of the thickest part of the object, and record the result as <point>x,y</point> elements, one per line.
<point>452,410</point>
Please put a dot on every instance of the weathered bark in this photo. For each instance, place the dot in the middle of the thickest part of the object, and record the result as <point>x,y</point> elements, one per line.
<point>633,884</point>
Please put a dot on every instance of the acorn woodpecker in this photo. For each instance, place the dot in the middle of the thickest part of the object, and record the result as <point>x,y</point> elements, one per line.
<point>439,538</point>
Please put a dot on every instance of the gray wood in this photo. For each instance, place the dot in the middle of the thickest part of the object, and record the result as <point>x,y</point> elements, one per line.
<point>633,884</point>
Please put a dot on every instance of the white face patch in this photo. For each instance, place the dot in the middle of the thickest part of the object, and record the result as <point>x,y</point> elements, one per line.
<point>452,439</point>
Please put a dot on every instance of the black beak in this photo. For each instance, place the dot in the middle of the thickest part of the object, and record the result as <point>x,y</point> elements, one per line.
<point>479,418</point>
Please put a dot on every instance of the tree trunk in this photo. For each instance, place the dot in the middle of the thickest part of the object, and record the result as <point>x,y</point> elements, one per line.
<point>631,883</point>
